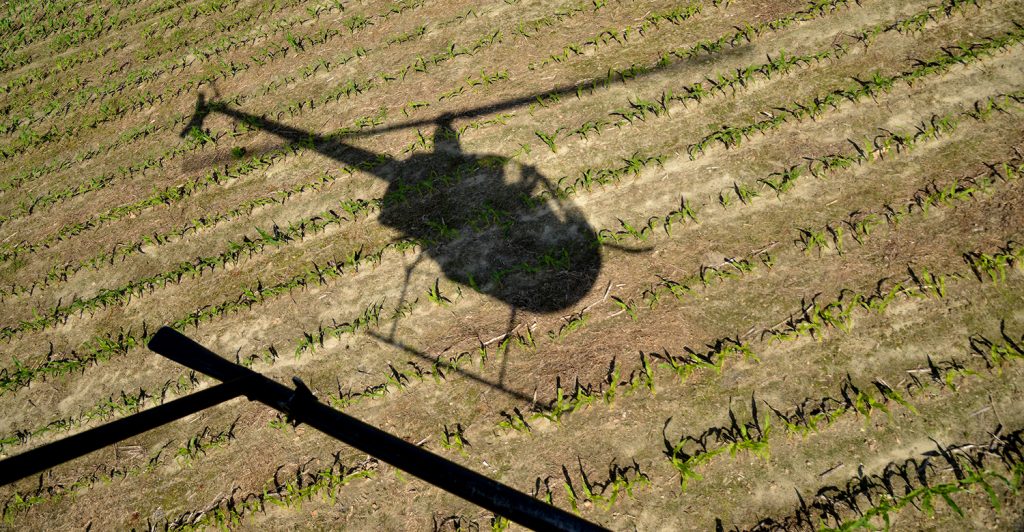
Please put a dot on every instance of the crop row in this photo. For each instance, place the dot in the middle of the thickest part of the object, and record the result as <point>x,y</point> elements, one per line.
<point>599,493</point>
<point>352,87</point>
<point>1007,171</point>
<point>421,64</point>
<point>234,252</point>
<point>314,275</point>
<point>860,228</point>
<point>83,58</point>
<point>534,24</point>
<point>101,349</point>
<point>812,321</point>
<point>814,10</point>
<point>190,449</point>
<point>869,501</point>
<point>174,193</point>
<point>195,141</point>
<point>297,229</point>
<point>809,416</point>
<point>293,108</point>
<point>121,251</point>
<point>17,20</point>
<point>640,108</point>
<point>322,483</point>
<point>63,64</point>
<point>748,32</point>
<point>966,53</point>
<point>114,405</point>
<point>780,181</point>
<point>163,196</point>
<point>74,29</point>
<point>102,24</point>
<point>753,437</point>
<point>353,23</point>
<point>140,100</point>
<point>174,121</point>
<point>742,36</point>
<point>835,314</point>
<point>861,225</point>
<point>125,139</point>
<point>783,182</point>
<point>307,484</point>
<point>84,24</point>
<point>236,21</point>
<point>622,35</point>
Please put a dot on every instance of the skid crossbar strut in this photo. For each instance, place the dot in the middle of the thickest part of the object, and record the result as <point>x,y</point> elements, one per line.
<point>300,405</point>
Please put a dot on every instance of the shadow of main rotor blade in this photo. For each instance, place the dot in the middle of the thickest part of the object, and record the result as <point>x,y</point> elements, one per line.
<point>635,72</point>
<point>513,103</point>
<point>204,109</point>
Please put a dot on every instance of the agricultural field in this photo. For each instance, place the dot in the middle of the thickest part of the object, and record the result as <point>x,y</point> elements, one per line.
<point>669,265</point>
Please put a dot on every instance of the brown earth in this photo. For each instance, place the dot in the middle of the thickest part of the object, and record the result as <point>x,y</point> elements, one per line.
<point>511,320</point>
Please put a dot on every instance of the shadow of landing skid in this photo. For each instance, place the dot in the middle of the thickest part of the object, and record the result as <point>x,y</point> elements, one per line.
<point>473,213</point>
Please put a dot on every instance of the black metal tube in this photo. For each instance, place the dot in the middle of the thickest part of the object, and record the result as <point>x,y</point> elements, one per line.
<point>52,454</point>
<point>445,474</point>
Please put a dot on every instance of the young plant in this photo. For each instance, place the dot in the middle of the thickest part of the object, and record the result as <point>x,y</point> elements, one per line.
<point>454,439</point>
<point>629,307</point>
<point>549,140</point>
<point>435,296</point>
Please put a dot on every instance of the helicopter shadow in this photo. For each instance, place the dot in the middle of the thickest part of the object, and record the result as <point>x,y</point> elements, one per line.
<point>478,215</point>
